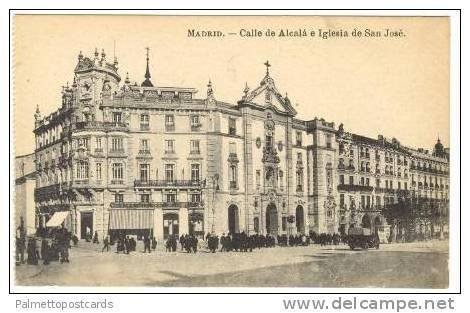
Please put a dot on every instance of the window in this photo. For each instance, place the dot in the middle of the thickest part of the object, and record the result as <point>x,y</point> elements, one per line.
<point>406,186</point>
<point>299,157</point>
<point>169,172</point>
<point>82,170</point>
<point>194,120</point>
<point>298,138</point>
<point>144,146</point>
<point>362,181</point>
<point>233,176</point>
<point>145,198</point>
<point>144,172</point>
<point>118,198</point>
<point>144,121</point>
<point>117,171</point>
<point>351,180</point>
<point>367,182</point>
<point>194,147</point>
<point>98,171</point>
<point>399,185</point>
<point>258,179</point>
<point>341,199</point>
<point>377,182</point>
<point>300,179</point>
<point>117,145</point>
<point>386,184</point>
<point>195,172</point>
<point>169,122</point>
<point>328,141</point>
<point>363,201</point>
<point>99,146</point>
<point>170,146</point>
<point>341,179</point>
<point>284,223</point>
<point>232,126</point>
<point>117,117</point>
<point>281,180</point>
<point>195,197</point>
<point>170,198</point>
<point>269,141</point>
<point>377,201</point>
<point>83,142</point>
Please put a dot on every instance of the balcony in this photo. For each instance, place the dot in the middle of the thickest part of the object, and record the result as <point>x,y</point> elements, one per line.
<point>170,127</point>
<point>144,152</point>
<point>103,126</point>
<point>384,190</point>
<point>117,182</point>
<point>232,131</point>
<point>117,152</point>
<point>196,127</point>
<point>167,183</point>
<point>163,205</point>
<point>353,188</point>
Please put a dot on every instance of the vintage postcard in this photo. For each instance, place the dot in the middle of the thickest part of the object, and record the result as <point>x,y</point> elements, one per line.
<point>231,151</point>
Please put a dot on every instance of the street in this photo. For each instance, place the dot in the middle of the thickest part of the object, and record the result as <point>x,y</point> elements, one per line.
<point>404,265</point>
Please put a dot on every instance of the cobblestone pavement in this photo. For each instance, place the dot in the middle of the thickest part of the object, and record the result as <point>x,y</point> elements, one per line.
<point>410,265</point>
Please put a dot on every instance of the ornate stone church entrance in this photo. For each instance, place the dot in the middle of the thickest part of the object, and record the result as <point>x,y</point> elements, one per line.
<point>272,220</point>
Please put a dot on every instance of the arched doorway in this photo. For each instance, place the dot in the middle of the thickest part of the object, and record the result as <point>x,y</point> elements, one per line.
<point>299,219</point>
<point>271,219</point>
<point>366,221</point>
<point>233,219</point>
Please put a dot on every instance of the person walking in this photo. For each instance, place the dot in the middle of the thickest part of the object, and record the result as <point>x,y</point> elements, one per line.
<point>146,244</point>
<point>105,244</point>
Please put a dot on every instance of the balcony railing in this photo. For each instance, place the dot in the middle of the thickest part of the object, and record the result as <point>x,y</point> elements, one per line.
<point>117,182</point>
<point>97,125</point>
<point>355,188</point>
<point>169,127</point>
<point>195,127</point>
<point>144,127</point>
<point>168,183</point>
<point>144,205</point>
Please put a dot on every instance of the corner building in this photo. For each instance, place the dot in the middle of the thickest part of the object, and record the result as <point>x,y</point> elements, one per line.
<point>140,159</point>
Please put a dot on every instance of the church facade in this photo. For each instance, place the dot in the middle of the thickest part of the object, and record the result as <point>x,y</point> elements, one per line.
<point>140,159</point>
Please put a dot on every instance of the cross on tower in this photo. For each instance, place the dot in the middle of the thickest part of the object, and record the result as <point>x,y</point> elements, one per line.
<point>267,67</point>
<point>148,49</point>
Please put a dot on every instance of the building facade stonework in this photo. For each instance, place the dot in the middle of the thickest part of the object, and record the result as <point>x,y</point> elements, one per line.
<point>141,159</point>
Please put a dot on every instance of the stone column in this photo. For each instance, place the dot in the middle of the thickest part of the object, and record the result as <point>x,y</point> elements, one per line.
<point>183,221</point>
<point>158,225</point>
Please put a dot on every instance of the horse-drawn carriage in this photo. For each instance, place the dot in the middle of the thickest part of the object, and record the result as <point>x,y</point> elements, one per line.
<point>359,237</point>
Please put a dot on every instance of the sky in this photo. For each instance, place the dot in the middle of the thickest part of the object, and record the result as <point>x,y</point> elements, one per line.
<point>397,87</point>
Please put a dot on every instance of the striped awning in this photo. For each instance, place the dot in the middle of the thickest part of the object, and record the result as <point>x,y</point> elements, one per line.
<point>131,219</point>
<point>57,219</point>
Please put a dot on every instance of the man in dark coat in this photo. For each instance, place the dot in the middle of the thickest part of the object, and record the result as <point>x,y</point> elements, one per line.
<point>105,244</point>
<point>146,244</point>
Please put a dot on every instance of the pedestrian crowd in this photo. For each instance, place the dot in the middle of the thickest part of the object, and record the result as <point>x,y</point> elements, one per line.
<point>53,247</point>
